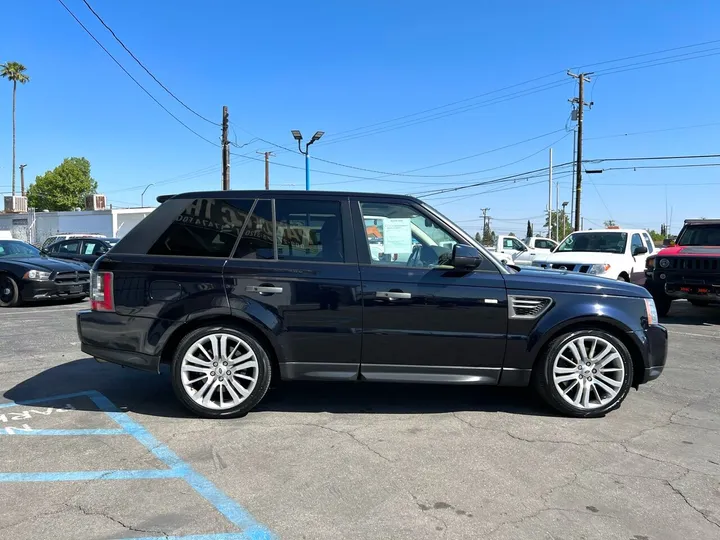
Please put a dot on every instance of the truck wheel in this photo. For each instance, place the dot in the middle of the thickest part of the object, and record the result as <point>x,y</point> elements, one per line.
<point>9,291</point>
<point>584,374</point>
<point>220,372</point>
<point>663,303</point>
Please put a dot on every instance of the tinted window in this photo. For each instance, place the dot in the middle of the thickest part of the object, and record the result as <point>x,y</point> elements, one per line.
<point>92,247</point>
<point>545,244</point>
<point>70,247</point>
<point>205,228</point>
<point>636,243</point>
<point>595,242</point>
<point>12,248</point>
<point>400,235</point>
<point>257,238</point>
<point>700,235</point>
<point>309,230</point>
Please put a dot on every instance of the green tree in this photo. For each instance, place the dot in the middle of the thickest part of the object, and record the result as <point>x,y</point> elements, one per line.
<point>15,73</point>
<point>478,238</point>
<point>488,236</point>
<point>529,233</point>
<point>609,223</point>
<point>564,227</point>
<point>657,237</point>
<point>63,188</point>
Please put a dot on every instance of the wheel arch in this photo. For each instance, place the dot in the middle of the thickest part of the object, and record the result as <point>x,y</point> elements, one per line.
<point>247,325</point>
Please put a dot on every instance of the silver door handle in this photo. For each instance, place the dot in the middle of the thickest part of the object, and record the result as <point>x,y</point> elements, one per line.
<point>263,289</point>
<point>392,295</point>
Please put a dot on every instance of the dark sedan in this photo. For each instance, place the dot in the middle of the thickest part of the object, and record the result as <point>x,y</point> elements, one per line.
<point>26,274</point>
<point>86,250</point>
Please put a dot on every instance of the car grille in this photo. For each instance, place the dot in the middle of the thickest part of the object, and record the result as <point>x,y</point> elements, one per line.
<point>66,278</point>
<point>527,307</point>
<point>699,264</point>
<point>583,268</point>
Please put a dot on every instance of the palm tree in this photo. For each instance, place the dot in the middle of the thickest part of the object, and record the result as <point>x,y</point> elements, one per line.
<point>15,72</point>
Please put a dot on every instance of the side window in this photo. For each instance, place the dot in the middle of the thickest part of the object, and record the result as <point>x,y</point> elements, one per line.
<point>93,248</point>
<point>399,235</point>
<point>309,230</point>
<point>650,244</point>
<point>257,241</point>
<point>636,243</point>
<point>204,228</point>
<point>508,243</point>
<point>71,247</point>
<point>516,244</point>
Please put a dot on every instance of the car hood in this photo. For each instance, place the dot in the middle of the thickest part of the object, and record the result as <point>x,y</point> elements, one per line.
<point>541,280</point>
<point>578,257</point>
<point>697,251</point>
<point>44,263</point>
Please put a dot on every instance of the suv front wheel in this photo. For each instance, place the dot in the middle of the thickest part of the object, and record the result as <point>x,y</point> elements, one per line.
<point>585,373</point>
<point>220,372</point>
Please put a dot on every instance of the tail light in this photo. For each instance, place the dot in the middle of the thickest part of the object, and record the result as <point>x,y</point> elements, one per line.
<point>101,291</point>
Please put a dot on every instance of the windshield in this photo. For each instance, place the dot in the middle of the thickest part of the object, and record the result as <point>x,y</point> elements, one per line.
<point>700,235</point>
<point>13,248</point>
<point>595,242</point>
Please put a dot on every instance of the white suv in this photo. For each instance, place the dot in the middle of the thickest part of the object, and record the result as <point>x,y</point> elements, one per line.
<point>612,253</point>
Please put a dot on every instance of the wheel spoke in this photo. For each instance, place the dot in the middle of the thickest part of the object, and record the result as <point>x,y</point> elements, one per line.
<point>608,380</point>
<point>574,350</point>
<point>245,377</point>
<point>200,378</point>
<point>607,360</point>
<point>190,368</point>
<point>597,394</point>
<point>233,394</point>
<point>209,394</point>
<point>235,361</point>
<point>608,350</point>
<point>566,370</point>
<point>578,395</point>
<point>204,351</point>
<point>566,378</point>
<point>611,391</point>
<point>591,354</point>
<point>238,387</point>
<point>231,353</point>
<point>191,358</point>
<point>200,394</point>
<point>245,365</point>
<point>214,341</point>
<point>586,395</point>
<point>571,386</point>
<point>583,350</point>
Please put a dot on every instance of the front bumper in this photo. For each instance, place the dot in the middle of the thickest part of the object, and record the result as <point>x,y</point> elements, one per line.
<point>49,290</point>
<point>688,285</point>
<point>654,341</point>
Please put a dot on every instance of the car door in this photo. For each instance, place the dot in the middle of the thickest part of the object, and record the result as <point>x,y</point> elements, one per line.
<point>90,250</point>
<point>295,271</point>
<point>67,249</point>
<point>423,323</point>
<point>638,260</point>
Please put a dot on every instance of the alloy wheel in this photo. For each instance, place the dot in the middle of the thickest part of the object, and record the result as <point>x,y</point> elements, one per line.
<point>219,371</point>
<point>588,372</point>
<point>6,290</point>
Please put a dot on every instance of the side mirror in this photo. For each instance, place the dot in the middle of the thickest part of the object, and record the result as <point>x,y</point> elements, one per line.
<point>640,250</point>
<point>465,257</point>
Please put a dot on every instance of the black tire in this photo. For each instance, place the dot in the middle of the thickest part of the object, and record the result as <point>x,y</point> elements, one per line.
<point>264,373</point>
<point>543,375</point>
<point>9,291</point>
<point>624,278</point>
<point>663,303</point>
<point>699,303</point>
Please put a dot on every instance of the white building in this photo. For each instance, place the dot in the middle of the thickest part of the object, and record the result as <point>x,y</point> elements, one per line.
<point>35,227</point>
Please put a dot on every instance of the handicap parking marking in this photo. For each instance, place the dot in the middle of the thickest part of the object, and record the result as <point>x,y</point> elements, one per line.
<point>250,529</point>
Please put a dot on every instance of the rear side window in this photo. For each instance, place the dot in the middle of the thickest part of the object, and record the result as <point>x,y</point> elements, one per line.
<point>204,228</point>
<point>309,230</point>
<point>257,238</point>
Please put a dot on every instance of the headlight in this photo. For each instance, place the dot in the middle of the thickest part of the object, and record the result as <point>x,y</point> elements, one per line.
<point>652,314</point>
<point>598,269</point>
<point>664,263</point>
<point>36,275</point>
<point>650,263</point>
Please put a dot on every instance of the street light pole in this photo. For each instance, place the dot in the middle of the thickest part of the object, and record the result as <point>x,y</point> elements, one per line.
<point>142,195</point>
<point>298,137</point>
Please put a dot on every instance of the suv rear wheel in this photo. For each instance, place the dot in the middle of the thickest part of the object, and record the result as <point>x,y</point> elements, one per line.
<point>220,372</point>
<point>586,373</point>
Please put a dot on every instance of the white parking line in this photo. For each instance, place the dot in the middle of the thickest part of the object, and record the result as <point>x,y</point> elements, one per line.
<point>38,310</point>
<point>694,335</point>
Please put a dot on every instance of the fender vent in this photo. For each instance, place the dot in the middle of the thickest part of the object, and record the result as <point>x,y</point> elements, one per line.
<point>527,307</point>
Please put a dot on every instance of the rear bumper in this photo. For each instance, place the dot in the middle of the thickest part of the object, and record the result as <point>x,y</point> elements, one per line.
<point>49,290</point>
<point>120,339</point>
<point>655,342</point>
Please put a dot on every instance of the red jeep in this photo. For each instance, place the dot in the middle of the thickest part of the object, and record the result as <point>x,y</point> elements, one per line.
<point>689,269</point>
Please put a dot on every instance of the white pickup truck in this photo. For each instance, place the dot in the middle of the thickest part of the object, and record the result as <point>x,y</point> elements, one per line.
<point>510,249</point>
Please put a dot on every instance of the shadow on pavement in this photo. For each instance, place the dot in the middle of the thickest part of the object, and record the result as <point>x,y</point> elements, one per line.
<point>150,394</point>
<point>685,313</point>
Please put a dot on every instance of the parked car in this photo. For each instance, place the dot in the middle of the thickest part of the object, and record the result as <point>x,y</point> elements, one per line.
<point>233,289</point>
<point>611,253</point>
<point>67,236</point>
<point>86,250</point>
<point>26,275</point>
<point>535,246</point>
<point>689,268</point>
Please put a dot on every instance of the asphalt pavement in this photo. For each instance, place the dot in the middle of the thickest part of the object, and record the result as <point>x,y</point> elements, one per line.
<point>90,450</point>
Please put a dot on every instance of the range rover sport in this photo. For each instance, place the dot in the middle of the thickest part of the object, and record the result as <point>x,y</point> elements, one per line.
<point>232,289</point>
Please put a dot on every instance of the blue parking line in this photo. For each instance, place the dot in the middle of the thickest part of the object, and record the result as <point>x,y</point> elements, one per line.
<point>74,476</point>
<point>58,432</point>
<point>218,536</point>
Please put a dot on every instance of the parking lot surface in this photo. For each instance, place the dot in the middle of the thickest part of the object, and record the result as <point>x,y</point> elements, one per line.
<point>90,450</point>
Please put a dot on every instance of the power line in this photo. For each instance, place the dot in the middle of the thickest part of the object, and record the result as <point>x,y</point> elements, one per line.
<point>651,158</point>
<point>662,130</point>
<point>181,102</point>
<point>133,78</point>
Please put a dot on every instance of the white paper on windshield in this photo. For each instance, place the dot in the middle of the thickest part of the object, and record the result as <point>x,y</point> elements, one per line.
<point>397,235</point>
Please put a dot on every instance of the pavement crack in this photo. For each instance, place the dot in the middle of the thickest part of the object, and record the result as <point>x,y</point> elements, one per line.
<point>352,436</point>
<point>115,520</point>
<point>703,513</point>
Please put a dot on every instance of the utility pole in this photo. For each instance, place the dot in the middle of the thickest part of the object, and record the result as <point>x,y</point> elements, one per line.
<point>225,151</point>
<point>572,188</point>
<point>582,79</point>
<point>267,167</point>
<point>486,236</point>
<point>564,204</point>
<point>22,180</point>
<point>550,167</point>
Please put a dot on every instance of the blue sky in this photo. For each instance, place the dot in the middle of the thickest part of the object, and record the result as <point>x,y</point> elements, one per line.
<point>338,66</point>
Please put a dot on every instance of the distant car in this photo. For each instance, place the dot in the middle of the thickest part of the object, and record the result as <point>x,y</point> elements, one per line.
<point>86,250</point>
<point>67,236</point>
<point>26,274</point>
<point>611,253</point>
